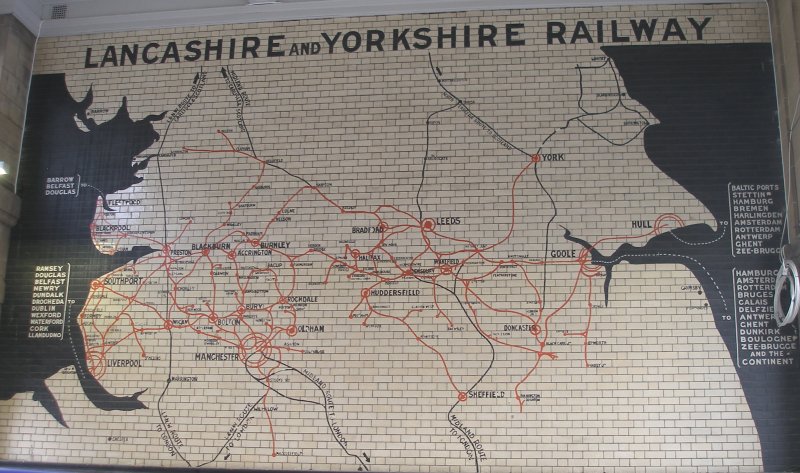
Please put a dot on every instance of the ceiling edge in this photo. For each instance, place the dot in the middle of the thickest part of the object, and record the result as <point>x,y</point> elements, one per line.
<point>23,12</point>
<point>314,9</point>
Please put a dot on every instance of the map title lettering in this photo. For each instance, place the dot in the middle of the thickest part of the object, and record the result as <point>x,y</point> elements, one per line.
<point>256,47</point>
<point>626,31</point>
<point>397,39</point>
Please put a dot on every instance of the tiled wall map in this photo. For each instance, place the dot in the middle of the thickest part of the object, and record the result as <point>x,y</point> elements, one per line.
<point>537,240</point>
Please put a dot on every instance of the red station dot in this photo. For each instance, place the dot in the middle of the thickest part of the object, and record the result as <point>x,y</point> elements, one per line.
<point>428,224</point>
<point>255,243</point>
<point>356,254</point>
<point>365,293</point>
<point>96,284</point>
<point>206,252</point>
<point>240,310</point>
<point>536,158</point>
<point>462,397</point>
<point>291,330</point>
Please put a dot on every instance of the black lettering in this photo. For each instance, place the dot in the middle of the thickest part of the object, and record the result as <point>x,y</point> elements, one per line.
<point>375,39</point>
<point>581,32</point>
<point>171,53</point>
<point>673,29</point>
<point>87,64</point>
<point>354,47</point>
<point>305,48</point>
<point>330,41</point>
<point>599,31</point>
<point>250,45</point>
<point>398,38</point>
<point>511,33</point>
<point>145,53</point>
<point>698,28</point>
<point>132,55</point>
<point>643,27</point>
<point>217,49</point>
<point>193,47</point>
<point>274,46</point>
<point>616,38</point>
<point>466,36</point>
<point>556,30</point>
<point>486,34</point>
<point>109,57</point>
<point>442,36</point>
<point>421,34</point>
